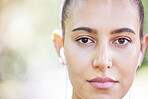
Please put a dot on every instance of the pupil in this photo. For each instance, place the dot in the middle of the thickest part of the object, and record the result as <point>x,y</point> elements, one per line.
<point>121,41</point>
<point>84,40</point>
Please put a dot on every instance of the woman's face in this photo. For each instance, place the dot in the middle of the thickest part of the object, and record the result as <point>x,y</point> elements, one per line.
<point>102,47</point>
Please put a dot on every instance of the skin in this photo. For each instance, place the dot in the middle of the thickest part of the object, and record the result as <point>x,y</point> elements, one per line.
<point>102,40</point>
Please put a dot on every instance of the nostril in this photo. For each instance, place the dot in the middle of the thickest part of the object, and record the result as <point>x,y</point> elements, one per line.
<point>108,66</point>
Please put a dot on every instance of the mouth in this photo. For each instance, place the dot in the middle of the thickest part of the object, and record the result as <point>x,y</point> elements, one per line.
<point>102,83</point>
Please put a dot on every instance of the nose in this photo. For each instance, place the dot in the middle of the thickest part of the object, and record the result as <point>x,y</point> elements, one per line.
<point>102,59</point>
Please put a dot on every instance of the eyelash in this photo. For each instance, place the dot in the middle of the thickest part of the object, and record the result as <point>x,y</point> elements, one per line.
<point>124,41</point>
<point>87,42</point>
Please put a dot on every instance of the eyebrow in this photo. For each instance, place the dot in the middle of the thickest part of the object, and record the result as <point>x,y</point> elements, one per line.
<point>90,30</point>
<point>87,29</point>
<point>123,30</point>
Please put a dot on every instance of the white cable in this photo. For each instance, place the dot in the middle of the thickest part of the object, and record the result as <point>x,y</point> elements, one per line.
<point>68,86</point>
<point>66,83</point>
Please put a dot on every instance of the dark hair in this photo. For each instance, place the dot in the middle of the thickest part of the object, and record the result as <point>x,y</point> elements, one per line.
<point>65,12</point>
<point>67,4</point>
<point>141,16</point>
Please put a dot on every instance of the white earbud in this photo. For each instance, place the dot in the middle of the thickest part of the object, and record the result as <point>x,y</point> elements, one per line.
<point>139,61</point>
<point>62,54</point>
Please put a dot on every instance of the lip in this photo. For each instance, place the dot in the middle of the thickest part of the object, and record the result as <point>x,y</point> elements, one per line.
<point>102,83</point>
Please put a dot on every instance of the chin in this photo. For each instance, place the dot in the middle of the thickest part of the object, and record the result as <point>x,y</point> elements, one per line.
<point>100,96</point>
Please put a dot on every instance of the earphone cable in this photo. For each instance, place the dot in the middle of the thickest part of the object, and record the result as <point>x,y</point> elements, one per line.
<point>66,83</point>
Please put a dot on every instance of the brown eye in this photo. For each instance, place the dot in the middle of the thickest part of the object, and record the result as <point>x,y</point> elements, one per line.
<point>85,40</point>
<point>122,41</point>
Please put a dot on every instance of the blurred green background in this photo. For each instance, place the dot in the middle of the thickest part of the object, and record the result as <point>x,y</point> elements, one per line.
<point>28,59</point>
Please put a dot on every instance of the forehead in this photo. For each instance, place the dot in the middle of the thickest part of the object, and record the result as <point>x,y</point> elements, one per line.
<point>108,4</point>
<point>102,4</point>
<point>94,12</point>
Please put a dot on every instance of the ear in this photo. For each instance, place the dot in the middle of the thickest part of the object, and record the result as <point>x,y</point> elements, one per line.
<point>144,45</point>
<point>57,40</point>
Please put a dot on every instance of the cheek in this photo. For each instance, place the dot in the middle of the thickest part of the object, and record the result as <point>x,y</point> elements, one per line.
<point>78,64</point>
<point>77,61</point>
<point>126,59</point>
<point>126,63</point>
